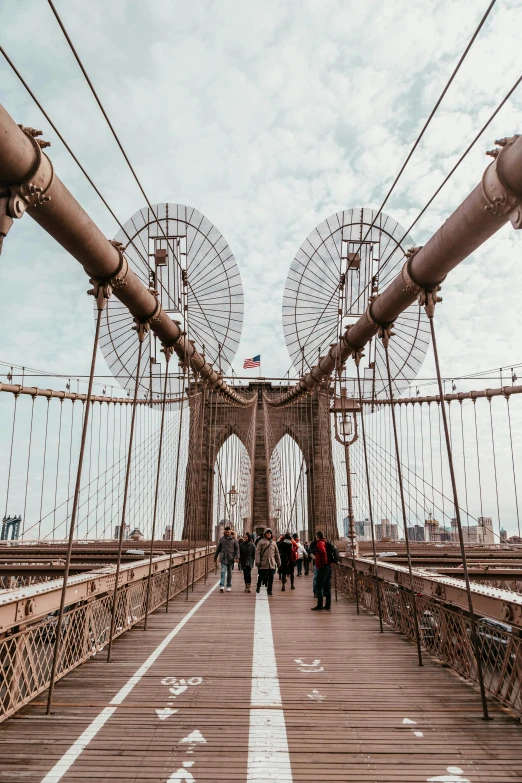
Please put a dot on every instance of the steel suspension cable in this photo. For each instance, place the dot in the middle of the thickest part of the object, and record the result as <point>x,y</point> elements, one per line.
<point>513,464</point>
<point>357,359</point>
<point>28,462</point>
<point>123,518</point>
<point>385,339</point>
<point>59,621</point>
<point>168,354</point>
<point>494,468</point>
<point>473,627</point>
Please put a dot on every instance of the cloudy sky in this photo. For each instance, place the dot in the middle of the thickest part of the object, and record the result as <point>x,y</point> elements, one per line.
<point>267,117</point>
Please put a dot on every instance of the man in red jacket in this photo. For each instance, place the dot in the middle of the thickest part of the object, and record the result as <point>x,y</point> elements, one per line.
<point>324,575</point>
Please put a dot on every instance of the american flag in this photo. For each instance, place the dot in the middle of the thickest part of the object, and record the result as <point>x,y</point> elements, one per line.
<point>254,362</point>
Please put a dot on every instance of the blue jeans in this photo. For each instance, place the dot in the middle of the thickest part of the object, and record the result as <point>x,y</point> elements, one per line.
<point>226,571</point>
<point>324,586</point>
<point>315,580</point>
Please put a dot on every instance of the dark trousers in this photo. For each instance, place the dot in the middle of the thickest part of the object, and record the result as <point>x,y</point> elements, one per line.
<point>324,586</point>
<point>299,564</point>
<point>306,562</point>
<point>266,575</point>
<point>290,576</point>
<point>247,574</point>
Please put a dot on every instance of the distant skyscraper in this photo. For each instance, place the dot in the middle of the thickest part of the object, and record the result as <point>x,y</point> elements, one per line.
<point>126,530</point>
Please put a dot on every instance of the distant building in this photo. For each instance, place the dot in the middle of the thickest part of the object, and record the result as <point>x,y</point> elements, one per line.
<point>432,530</point>
<point>386,530</point>
<point>10,528</point>
<point>126,530</point>
<point>416,533</point>
<point>363,531</point>
<point>503,534</point>
<point>137,535</point>
<point>481,533</point>
<point>167,534</point>
<point>486,533</point>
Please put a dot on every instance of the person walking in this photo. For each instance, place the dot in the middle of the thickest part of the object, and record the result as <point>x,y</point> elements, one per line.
<point>288,554</point>
<point>306,558</point>
<point>228,551</point>
<point>324,575</point>
<point>240,540</point>
<point>247,554</point>
<point>311,554</point>
<point>300,554</point>
<point>267,559</point>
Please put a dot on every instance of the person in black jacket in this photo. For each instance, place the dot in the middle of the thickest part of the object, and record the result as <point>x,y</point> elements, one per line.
<point>247,553</point>
<point>287,547</point>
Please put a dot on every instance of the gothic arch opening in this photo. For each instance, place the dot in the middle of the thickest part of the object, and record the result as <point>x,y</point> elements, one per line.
<point>288,487</point>
<point>232,487</point>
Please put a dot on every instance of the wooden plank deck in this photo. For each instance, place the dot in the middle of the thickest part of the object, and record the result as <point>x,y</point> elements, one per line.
<point>354,704</point>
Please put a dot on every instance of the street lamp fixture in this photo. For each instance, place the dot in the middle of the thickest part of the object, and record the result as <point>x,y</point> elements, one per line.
<point>233,496</point>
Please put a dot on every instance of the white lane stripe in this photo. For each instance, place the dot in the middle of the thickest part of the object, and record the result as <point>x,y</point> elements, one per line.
<point>77,748</point>
<point>268,755</point>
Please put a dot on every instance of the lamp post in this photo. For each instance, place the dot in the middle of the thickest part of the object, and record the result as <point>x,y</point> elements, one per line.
<point>233,495</point>
<point>345,421</point>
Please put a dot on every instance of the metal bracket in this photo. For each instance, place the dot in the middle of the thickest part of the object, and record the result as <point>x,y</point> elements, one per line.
<point>501,200</point>
<point>428,298</point>
<point>385,332</point>
<point>142,328</point>
<point>102,289</point>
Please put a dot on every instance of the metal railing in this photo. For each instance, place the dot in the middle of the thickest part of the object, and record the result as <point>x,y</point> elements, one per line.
<point>26,648</point>
<point>445,629</point>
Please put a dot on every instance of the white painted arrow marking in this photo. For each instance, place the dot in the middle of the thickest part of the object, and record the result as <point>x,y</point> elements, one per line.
<point>178,690</point>
<point>195,736</point>
<point>408,722</point>
<point>166,713</point>
<point>182,774</point>
<point>302,663</point>
<point>418,733</point>
<point>316,696</point>
<point>453,777</point>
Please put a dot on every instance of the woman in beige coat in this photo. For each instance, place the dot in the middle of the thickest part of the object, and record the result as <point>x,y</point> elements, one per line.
<point>267,560</point>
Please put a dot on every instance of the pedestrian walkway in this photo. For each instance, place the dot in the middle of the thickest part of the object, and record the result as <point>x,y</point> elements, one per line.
<point>237,687</point>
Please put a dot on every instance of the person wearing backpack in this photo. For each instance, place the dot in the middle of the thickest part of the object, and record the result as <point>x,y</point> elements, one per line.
<point>288,552</point>
<point>324,574</point>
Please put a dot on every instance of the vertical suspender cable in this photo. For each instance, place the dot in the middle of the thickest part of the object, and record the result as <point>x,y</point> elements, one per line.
<point>368,487</point>
<point>59,621</point>
<point>28,463</point>
<point>121,536</point>
<point>474,635</point>
<point>168,354</point>
<point>385,339</point>
<point>176,484</point>
<point>513,463</point>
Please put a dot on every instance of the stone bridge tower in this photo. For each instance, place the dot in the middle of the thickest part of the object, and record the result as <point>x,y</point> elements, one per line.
<point>213,420</point>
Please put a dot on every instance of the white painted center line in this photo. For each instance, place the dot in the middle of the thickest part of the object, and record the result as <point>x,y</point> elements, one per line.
<point>268,755</point>
<point>77,748</point>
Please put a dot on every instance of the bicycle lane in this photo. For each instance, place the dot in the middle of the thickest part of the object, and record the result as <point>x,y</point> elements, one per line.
<point>183,714</point>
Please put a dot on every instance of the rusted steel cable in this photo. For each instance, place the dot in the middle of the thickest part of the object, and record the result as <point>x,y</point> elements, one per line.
<point>473,626</point>
<point>513,464</point>
<point>385,339</point>
<point>168,354</point>
<point>59,621</point>
<point>141,336</point>
<point>357,359</point>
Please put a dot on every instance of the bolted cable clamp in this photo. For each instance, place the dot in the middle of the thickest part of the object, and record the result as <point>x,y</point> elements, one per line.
<point>385,332</point>
<point>428,298</point>
<point>142,328</point>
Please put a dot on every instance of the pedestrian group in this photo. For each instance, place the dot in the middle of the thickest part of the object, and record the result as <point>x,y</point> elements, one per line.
<point>286,556</point>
